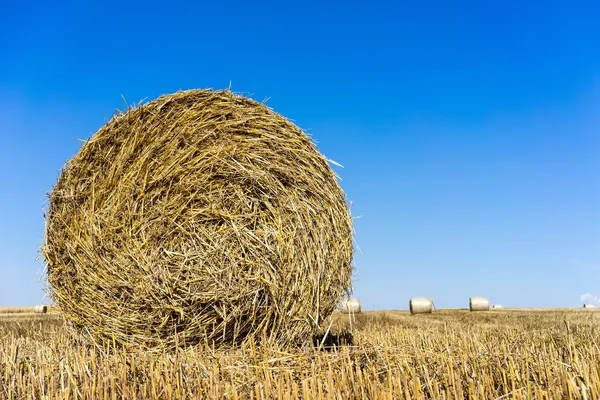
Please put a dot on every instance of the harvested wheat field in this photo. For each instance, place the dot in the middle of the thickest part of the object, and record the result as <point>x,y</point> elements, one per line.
<point>503,354</point>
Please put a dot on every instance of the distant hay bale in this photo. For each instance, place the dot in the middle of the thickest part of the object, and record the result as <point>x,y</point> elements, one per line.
<point>420,305</point>
<point>589,306</point>
<point>41,309</point>
<point>350,306</point>
<point>477,303</point>
<point>200,216</point>
<point>497,306</point>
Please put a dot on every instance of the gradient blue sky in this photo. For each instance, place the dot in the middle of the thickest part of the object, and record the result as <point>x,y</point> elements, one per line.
<point>469,131</point>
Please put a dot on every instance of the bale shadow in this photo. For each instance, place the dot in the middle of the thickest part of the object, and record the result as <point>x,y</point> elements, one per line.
<point>333,340</point>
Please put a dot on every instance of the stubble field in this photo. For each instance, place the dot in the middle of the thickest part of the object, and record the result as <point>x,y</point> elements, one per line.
<point>450,354</point>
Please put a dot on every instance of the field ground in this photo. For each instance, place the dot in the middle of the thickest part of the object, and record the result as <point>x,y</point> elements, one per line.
<point>21,312</point>
<point>450,354</point>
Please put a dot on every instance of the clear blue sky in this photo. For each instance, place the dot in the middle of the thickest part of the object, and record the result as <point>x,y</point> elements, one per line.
<point>469,131</point>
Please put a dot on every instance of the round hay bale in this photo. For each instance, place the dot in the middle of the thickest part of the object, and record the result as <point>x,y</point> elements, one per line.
<point>497,306</point>
<point>200,216</point>
<point>477,303</point>
<point>589,306</point>
<point>41,309</point>
<point>420,305</point>
<point>350,306</point>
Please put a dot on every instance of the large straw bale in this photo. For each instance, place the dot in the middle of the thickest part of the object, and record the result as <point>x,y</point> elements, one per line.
<point>200,216</point>
<point>478,303</point>
<point>40,308</point>
<point>350,306</point>
<point>420,305</point>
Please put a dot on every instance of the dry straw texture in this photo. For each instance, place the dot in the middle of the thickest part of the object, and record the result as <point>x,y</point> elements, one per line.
<point>477,303</point>
<point>420,305</point>
<point>350,306</point>
<point>200,216</point>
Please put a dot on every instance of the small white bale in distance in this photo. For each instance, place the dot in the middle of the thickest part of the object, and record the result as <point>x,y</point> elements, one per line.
<point>477,303</point>
<point>41,309</point>
<point>589,306</point>
<point>497,306</point>
<point>350,306</point>
<point>420,305</point>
